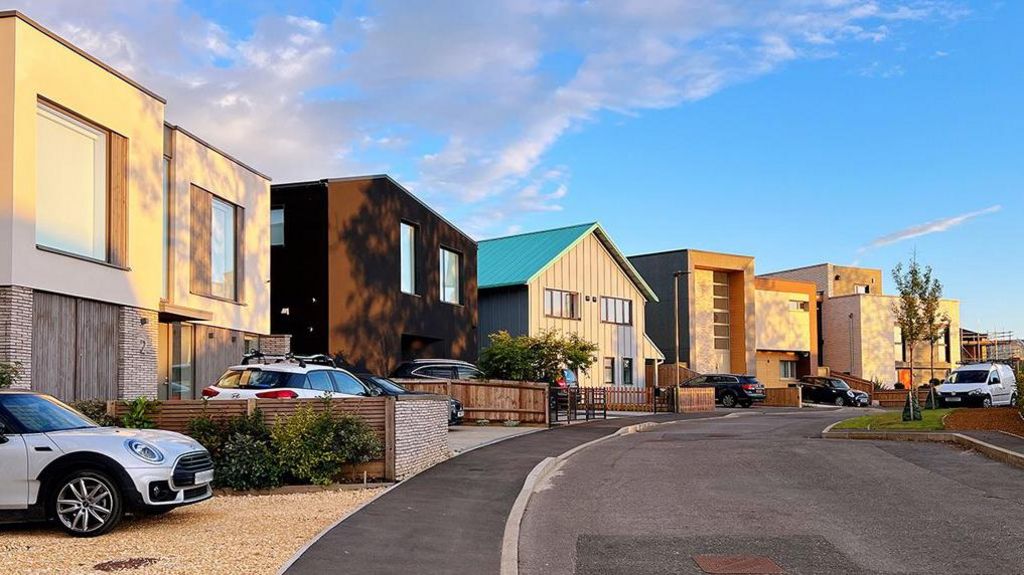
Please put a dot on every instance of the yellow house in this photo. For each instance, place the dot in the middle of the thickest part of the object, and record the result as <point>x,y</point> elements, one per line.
<point>573,280</point>
<point>135,257</point>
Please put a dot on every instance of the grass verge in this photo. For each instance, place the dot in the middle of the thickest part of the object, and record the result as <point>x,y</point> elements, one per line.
<point>931,421</point>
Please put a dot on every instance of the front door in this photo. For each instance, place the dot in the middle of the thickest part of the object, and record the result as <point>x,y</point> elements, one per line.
<point>13,472</point>
<point>176,361</point>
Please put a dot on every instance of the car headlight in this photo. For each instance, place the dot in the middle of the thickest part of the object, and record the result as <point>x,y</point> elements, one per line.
<point>975,391</point>
<point>851,394</point>
<point>144,451</point>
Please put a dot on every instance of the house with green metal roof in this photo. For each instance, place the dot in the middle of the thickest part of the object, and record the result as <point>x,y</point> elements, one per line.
<point>572,279</point>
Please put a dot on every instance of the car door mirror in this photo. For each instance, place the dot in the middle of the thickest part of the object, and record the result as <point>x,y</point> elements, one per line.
<point>374,392</point>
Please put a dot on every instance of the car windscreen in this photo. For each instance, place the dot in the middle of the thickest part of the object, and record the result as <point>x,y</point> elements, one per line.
<point>750,380</point>
<point>968,376</point>
<point>387,385</point>
<point>41,414</point>
<point>259,379</point>
<point>839,384</point>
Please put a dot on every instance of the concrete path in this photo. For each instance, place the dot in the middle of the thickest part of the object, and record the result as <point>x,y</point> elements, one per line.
<point>766,486</point>
<point>465,437</point>
<point>450,518</point>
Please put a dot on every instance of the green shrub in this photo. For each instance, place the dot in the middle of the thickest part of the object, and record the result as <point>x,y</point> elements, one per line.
<point>355,441</point>
<point>96,410</point>
<point>305,444</point>
<point>140,413</point>
<point>10,373</point>
<point>209,433</point>
<point>252,425</point>
<point>247,463</point>
<point>536,358</point>
<point>1020,392</point>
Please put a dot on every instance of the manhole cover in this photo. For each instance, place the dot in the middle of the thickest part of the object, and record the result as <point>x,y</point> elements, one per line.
<point>125,564</point>
<point>736,564</point>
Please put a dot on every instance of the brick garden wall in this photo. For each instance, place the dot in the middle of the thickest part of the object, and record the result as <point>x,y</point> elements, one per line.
<point>275,344</point>
<point>137,353</point>
<point>16,330</point>
<point>421,434</point>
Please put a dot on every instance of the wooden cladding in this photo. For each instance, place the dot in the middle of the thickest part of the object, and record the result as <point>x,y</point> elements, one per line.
<point>239,253</point>
<point>201,252</point>
<point>118,196</point>
<point>74,343</point>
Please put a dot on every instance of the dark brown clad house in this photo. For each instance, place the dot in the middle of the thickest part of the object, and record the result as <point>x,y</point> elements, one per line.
<point>361,267</point>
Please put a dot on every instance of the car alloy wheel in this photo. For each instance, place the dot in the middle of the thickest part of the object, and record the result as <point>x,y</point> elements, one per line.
<point>728,400</point>
<point>987,402</point>
<point>88,504</point>
<point>840,402</point>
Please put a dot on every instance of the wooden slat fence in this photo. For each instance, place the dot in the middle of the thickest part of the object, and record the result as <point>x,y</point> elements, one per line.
<point>493,400</point>
<point>897,397</point>
<point>782,397</point>
<point>630,398</point>
<point>695,399</point>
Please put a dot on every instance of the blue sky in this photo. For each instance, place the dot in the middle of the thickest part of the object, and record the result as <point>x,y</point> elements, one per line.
<point>796,131</point>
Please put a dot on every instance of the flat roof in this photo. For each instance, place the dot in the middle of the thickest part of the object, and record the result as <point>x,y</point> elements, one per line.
<point>218,150</point>
<point>80,52</point>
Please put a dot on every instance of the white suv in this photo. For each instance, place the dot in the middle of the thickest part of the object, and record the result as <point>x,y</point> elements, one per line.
<point>55,463</point>
<point>287,377</point>
<point>984,384</point>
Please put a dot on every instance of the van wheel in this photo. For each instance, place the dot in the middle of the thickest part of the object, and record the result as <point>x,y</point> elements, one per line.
<point>87,503</point>
<point>728,400</point>
<point>987,402</point>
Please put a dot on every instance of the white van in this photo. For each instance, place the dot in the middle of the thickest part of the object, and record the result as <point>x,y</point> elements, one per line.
<point>984,384</point>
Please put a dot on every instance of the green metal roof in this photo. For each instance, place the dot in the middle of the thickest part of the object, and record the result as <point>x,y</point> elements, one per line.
<point>516,260</point>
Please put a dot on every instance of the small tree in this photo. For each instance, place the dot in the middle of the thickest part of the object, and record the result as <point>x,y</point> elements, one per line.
<point>536,358</point>
<point>935,321</point>
<point>910,284</point>
<point>10,373</point>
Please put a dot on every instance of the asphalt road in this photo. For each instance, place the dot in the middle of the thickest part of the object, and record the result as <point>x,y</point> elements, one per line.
<point>766,486</point>
<point>450,518</point>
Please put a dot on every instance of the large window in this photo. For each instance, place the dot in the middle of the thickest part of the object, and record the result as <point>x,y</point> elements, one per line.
<point>563,304</point>
<point>222,246</point>
<point>609,371</point>
<point>165,242</point>
<point>408,248</point>
<point>616,310</point>
<point>627,371</point>
<point>450,269</point>
<point>897,342</point>
<point>787,369</point>
<point>71,184</point>
<point>277,227</point>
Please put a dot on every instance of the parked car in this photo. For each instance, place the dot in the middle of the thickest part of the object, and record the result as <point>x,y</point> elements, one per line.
<point>437,369</point>
<point>832,390</point>
<point>57,464</point>
<point>387,387</point>
<point>287,377</point>
<point>731,390</point>
<point>984,384</point>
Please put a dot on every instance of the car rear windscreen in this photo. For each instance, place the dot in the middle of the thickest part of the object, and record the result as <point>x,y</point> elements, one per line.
<point>259,379</point>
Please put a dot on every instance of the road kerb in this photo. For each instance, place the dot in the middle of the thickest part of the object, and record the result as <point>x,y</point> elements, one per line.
<point>987,449</point>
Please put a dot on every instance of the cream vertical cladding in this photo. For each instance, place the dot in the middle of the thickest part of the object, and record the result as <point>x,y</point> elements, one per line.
<point>702,329</point>
<point>590,270</point>
<point>780,328</point>
<point>196,163</point>
<point>44,67</point>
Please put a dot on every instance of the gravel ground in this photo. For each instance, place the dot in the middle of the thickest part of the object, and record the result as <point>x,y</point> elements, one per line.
<point>996,419</point>
<point>225,535</point>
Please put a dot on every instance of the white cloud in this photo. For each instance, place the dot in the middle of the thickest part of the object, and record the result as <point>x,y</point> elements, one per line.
<point>468,95</point>
<point>932,227</point>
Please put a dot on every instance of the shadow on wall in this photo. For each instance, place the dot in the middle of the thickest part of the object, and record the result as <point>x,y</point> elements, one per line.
<point>372,312</point>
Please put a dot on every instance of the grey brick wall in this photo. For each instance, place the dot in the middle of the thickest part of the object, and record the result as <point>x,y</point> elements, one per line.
<point>421,435</point>
<point>276,344</point>
<point>137,353</point>
<point>16,330</point>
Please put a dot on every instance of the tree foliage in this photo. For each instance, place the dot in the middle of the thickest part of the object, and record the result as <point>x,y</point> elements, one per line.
<point>912,284</point>
<point>537,358</point>
<point>10,373</point>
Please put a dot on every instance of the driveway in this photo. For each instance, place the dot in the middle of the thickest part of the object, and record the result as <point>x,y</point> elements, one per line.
<point>450,518</point>
<point>766,486</point>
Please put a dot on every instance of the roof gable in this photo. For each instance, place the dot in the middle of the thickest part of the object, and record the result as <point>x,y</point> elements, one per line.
<point>517,260</point>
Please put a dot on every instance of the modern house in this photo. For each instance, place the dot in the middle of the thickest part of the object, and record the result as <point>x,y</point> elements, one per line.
<point>574,280</point>
<point>858,331</point>
<point>716,305</point>
<point>134,259</point>
<point>362,268</point>
<point>787,330</point>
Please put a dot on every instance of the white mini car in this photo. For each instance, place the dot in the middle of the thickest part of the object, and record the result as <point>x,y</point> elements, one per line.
<point>984,384</point>
<point>288,378</point>
<point>55,463</point>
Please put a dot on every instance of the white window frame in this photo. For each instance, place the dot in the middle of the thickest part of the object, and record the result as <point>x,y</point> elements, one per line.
<point>445,255</point>
<point>615,310</point>
<point>791,364</point>
<point>561,304</point>
<point>229,259</point>
<point>407,262</point>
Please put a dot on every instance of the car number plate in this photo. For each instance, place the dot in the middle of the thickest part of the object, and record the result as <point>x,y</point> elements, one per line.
<point>951,399</point>
<point>204,477</point>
